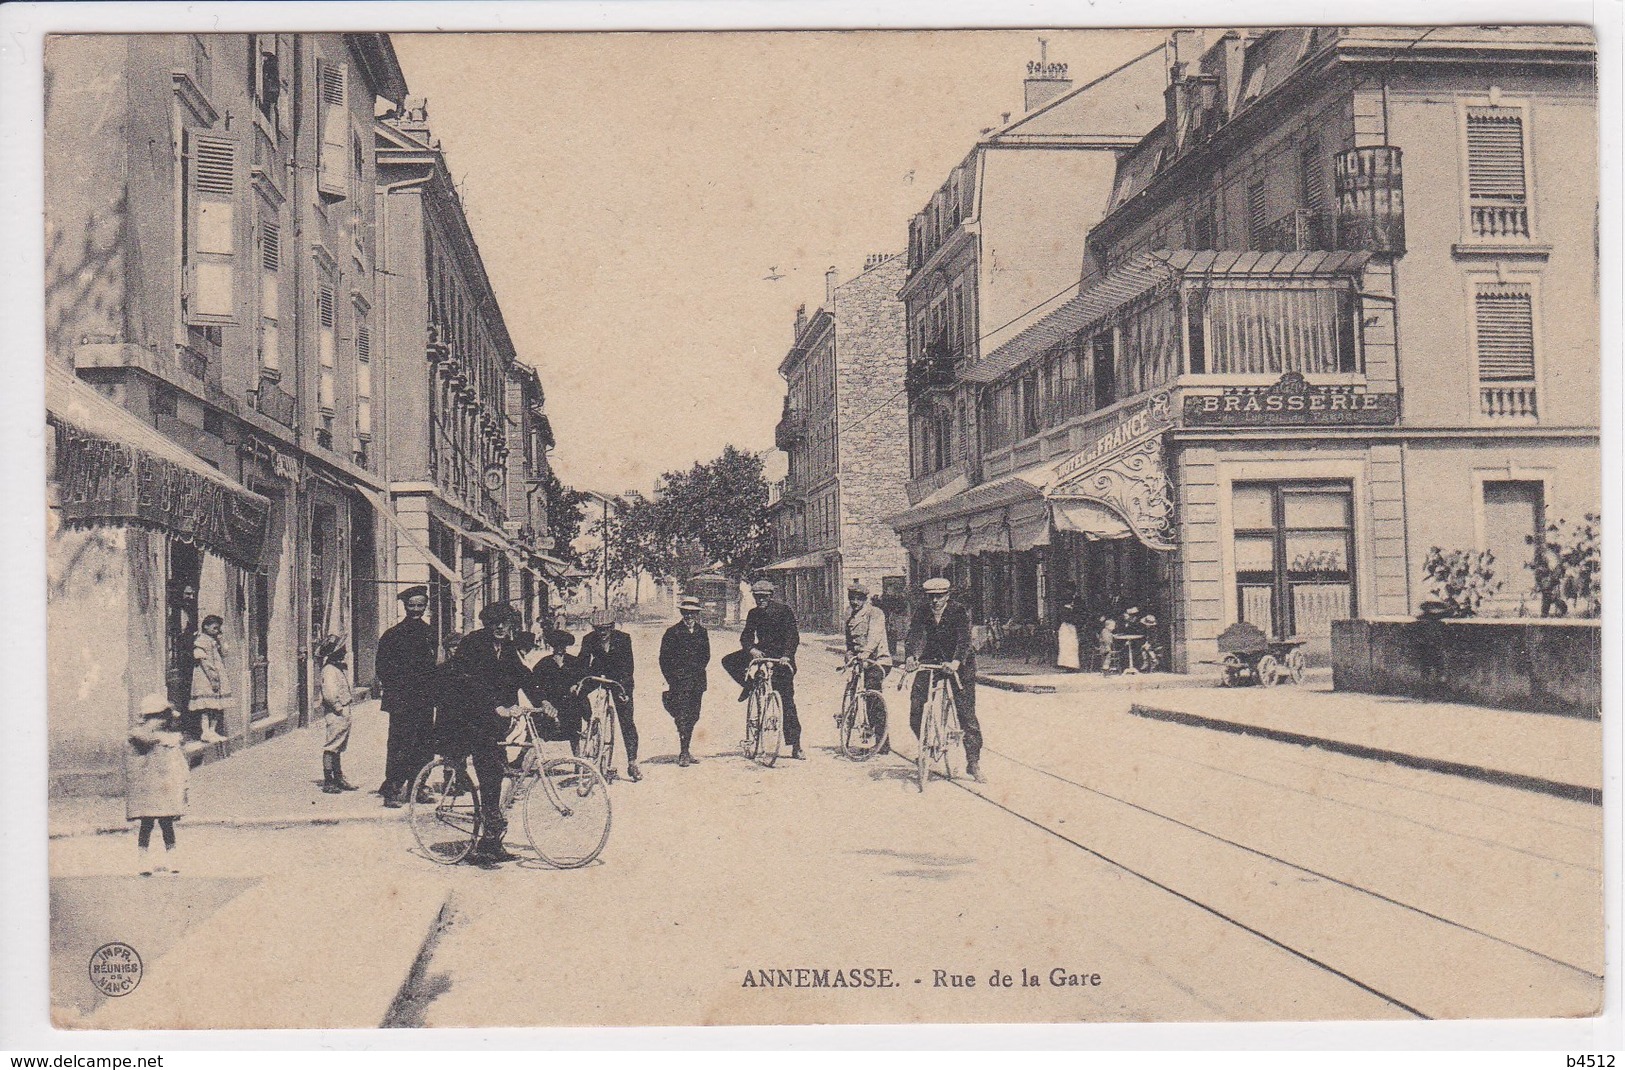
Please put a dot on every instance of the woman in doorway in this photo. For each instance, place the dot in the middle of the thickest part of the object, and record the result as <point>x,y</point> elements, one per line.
<point>1066,636</point>
<point>211,690</point>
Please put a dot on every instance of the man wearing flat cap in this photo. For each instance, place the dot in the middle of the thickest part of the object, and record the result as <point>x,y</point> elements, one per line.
<point>607,652</point>
<point>490,673</point>
<point>940,635</point>
<point>406,670</point>
<point>685,654</point>
<point>770,632</point>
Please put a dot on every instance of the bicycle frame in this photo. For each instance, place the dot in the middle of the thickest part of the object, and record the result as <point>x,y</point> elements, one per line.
<point>759,678</point>
<point>935,739</point>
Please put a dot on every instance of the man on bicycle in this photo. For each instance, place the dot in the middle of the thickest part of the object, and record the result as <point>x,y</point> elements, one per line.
<point>940,634</point>
<point>490,672</point>
<point>607,652</point>
<point>770,632</point>
<point>866,640</point>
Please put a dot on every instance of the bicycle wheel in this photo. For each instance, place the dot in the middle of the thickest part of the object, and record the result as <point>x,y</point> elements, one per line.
<point>445,812</point>
<point>753,724</point>
<point>606,758</point>
<point>567,812</point>
<point>953,739</point>
<point>772,729</point>
<point>592,735</point>
<point>928,734</point>
<point>863,739</point>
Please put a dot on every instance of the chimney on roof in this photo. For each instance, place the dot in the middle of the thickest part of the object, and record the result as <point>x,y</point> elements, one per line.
<point>801,321</point>
<point>829,289</point>
<point>1185,52</point>
<point>1045,80</point>
<point>875,260</point>
<point>414,116</point>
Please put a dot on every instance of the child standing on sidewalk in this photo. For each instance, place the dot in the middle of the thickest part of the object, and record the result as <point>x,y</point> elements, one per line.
<point>156,779</point>
<point>336,700</point>
<point>210,688</point>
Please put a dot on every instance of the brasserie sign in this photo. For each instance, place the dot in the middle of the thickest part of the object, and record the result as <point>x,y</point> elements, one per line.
<point>1291,401</point>
<point>100,480</point>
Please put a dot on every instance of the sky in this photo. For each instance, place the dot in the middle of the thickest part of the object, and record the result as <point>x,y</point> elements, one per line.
<point>631,192</point>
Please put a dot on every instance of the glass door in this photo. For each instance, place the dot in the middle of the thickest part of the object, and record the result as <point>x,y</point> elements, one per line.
<point>1294,558</point>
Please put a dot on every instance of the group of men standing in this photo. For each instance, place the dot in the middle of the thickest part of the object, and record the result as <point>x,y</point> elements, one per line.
<point>456,706</point>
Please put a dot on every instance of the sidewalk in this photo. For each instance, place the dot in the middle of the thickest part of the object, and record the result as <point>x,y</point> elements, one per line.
<point>1556,755</point>
<point>278,782</point>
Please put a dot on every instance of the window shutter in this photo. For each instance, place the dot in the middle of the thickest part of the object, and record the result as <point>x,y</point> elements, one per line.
<point>334,177</point>
<point>211,229</point>
<point>270,267</point>
<point>1257,213</point>
<point>1314,178</point>
<point>1495,166</point>
<point>1506,335</point>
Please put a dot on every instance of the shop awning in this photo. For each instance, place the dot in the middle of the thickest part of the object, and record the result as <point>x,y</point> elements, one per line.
<point>560,569</point>
<point>1093,299</point>
<point>1027,484</point>
<point>113,468</point>
<point>955,542</point>
<point>1090,519</point>
<point>384,510</point>
<point>815,559</point>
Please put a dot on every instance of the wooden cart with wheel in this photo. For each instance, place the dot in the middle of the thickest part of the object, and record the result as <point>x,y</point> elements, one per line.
<point>1251,657</point>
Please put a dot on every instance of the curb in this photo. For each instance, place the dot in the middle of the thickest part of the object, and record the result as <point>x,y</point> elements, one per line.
<point>1001,683</point>
<point>285,821</point>
<point>1520,781</point>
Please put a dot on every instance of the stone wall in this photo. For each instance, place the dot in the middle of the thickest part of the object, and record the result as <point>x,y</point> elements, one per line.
<point>871,352</point>
<point>1549,666</point>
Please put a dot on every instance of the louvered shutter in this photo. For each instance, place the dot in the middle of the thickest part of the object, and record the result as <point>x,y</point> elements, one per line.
<point>1506,335</point>
<point>334,177</point>
<point>1314,178</point>
<point>270,298</point>
<point>211,285</point>
<point>363,389</point>
<point>326,392</point>
<point>1257,214</point>
<point>1495,165</point>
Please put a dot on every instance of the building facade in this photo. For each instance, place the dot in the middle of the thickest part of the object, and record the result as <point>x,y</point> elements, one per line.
<point>465,420</point>
<point>844,430</point>
<point>1312,339</point>
<point>210,270</point>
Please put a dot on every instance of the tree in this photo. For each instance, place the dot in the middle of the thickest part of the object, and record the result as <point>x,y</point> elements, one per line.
<point>714,513</point>
<point>564,513</point>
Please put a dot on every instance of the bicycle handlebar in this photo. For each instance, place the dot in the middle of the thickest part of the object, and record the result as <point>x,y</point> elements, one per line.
<point>786,662</point>
<point>926,666</point>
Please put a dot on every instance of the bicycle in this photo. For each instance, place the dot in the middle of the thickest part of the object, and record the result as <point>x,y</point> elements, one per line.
<point>564,803</point>
<point>862,708</point>
<point>764,711</point>
<point>598,734</point>
<point>940,732</point>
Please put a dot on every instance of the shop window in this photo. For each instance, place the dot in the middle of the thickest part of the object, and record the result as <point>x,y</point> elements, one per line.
<point>1269,331</point>
<point>1294,556</point>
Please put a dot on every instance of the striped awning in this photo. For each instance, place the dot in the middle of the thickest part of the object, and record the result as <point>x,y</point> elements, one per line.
<point>1094,299</point>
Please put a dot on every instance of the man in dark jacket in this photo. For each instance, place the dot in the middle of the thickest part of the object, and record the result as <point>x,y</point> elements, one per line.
<point>685,654</point>
<point>406,668</point>
<point>940,634</point>
<point>607,652</point>
<point>553,682</point>
<point>770,632</point>
<point>491,674</point>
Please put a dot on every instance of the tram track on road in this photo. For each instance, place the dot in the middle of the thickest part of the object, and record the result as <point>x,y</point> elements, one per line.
<point>1259,930</point>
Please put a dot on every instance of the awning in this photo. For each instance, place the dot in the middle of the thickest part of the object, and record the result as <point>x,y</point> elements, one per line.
<point>1095,298</point>
<point>1027,484</point>
<point>390,516</point>
<point>1027,534</point>
<point>113,468</point>
<point>1091,519</point>
<point>560,569</point>
<point>815,559</point>
<point>954,542</point>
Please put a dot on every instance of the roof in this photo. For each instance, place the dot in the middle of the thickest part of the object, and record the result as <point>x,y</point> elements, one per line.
<point>1124,102</point>
<point>1097,297</point>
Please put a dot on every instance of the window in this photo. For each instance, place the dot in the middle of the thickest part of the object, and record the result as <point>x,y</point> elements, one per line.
<point>1105,360</point>
<point>1259,331</point>
<point>165,401</point>
<point>363,381</point>
<point>264,73</point>
<point>1514,510</point>
<point>326,390</point>
<point>357,200</point>
<point>1257,215</point>
<point>209,222</point>
<point>1201,227</point>
<point>1030,407</point>
<point>1504,338</point>
<point>1294,557</point>
<point>1312,175</point>
<point>333,162</point>
<point>1497,193</point>
<point>270,269</point>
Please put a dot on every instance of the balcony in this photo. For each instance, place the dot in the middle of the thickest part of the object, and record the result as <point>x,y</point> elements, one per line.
<point>1507,401</point>
<point>1499,222</point>
<point>936,371</point>
<point>791,428</point>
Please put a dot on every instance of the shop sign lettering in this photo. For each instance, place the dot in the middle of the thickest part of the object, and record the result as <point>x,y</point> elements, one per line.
<point>1152,415</point>
<point>1290,402</point>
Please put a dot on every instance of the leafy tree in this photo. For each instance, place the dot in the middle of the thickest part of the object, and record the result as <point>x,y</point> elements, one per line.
<point>565,508</point>
<point>714,513</point>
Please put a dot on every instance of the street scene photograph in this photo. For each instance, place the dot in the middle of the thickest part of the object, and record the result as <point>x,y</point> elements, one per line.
<point>868,527</point>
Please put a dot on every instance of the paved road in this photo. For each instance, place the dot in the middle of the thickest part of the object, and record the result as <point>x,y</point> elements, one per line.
<point>1178,874</point>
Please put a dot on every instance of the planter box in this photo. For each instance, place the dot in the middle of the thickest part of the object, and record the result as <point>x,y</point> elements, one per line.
<point>1548,666</point>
